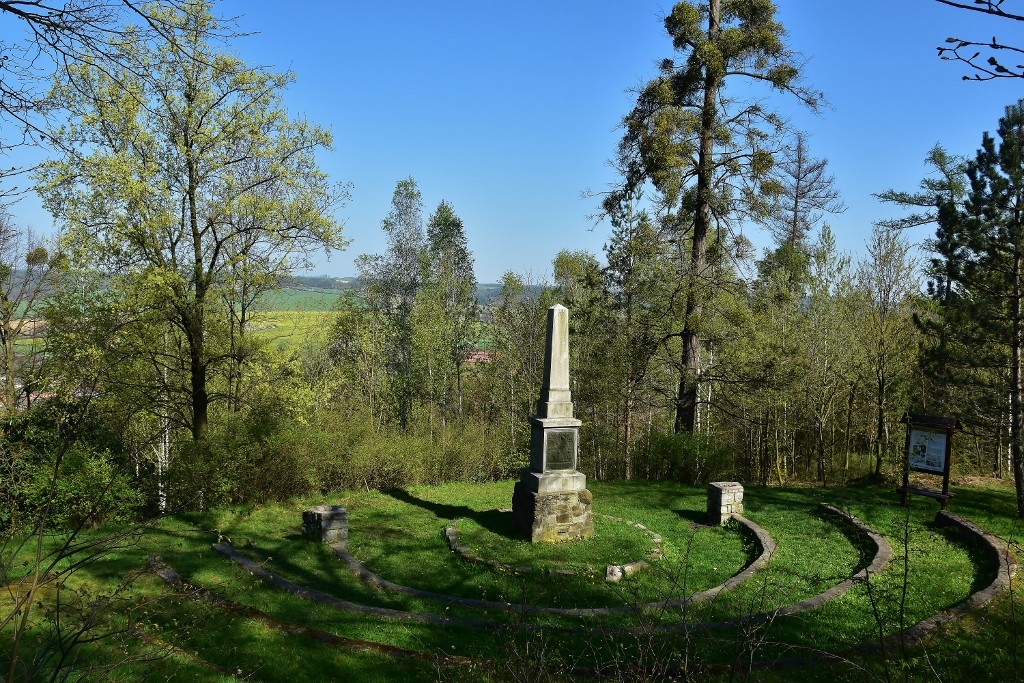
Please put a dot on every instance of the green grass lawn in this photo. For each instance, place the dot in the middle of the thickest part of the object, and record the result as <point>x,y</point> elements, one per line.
<point>491,535</point>
<point>399,535</point>
<point>271,635</point>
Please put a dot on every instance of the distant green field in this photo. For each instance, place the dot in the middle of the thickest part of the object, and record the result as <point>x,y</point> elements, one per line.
<point>293,329</point>
<point>292,318</point>
<point>294,299</point>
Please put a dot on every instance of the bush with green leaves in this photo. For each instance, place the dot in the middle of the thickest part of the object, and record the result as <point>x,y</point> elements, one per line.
<point>85,488</point>
<point>82,474</point>
<point>684,457</point>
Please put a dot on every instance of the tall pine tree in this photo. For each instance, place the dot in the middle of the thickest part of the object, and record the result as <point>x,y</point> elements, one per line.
<point>979,268</point>
<point>708,156</point>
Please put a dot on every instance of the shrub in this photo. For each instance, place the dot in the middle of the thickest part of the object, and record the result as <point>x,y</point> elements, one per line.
<point>243,460</point>
<point>89,489</point>
<point>263,455</point>
<point>91,485</point>
<point>684,457</point>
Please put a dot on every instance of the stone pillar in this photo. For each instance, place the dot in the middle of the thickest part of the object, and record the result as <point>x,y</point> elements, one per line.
<point>326,523</point>
<point>725,499</point>
<point>551,501</point>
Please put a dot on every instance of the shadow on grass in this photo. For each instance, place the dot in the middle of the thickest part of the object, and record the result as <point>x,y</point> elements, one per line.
<point>985,568</point>
<point>860,541</point>
<point>803,501</point>
<point>495,521</point>
<point>698,517</point>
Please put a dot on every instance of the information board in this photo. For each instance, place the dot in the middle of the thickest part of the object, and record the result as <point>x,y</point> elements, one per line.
<point>927,452</point>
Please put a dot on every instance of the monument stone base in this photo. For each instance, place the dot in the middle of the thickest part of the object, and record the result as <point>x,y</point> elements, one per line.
<point>545,511</point>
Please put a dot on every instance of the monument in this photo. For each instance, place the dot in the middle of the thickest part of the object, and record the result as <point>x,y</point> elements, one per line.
<point>551,501</point>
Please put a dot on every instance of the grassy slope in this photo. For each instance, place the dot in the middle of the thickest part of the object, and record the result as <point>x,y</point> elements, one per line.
<point>291,318</point>
<point>400,536</point>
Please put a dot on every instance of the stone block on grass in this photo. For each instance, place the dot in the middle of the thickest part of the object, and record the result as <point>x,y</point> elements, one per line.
<point>725,499</point>
<point>326,523</point>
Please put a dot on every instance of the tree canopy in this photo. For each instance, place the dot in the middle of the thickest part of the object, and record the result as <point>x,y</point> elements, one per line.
<point>708,157</point>
<point>182,177</point>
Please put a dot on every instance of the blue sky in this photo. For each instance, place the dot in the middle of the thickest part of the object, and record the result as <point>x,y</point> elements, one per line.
<point>509,110</point>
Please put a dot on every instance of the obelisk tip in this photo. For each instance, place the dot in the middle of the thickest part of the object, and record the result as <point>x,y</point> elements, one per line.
<point>555,396</point>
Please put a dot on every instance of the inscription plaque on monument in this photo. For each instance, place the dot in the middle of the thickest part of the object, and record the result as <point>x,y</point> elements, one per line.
<point>561,449</point>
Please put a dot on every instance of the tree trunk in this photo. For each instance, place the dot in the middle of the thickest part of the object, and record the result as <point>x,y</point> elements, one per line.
<point>630,387</point>
<point>10,388</point>
<point>689,377</point>
<point>197,368</point>
<point>195,318</point>
<point>458,381</point>
<point>1015,387</point>
<point>430,400</point>
<point>627,436</point>
<point>821,452</point>
<point>880,431</point>
<point>405,375</point>
<point>998,464</point>
<point>849,423</point>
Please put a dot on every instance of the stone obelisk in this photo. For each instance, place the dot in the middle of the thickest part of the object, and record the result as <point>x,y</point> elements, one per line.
<point>551,501</point>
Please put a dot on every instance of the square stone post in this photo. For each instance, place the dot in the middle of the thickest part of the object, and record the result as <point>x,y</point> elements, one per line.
<point>326,523</point>
<point>551,501</point>
<point>725,499</point>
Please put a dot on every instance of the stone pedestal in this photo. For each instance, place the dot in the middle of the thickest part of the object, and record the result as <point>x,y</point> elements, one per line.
<point>554,443</point>
<point>547,517</point>
<point>725,499</point>
<point>326,523</point>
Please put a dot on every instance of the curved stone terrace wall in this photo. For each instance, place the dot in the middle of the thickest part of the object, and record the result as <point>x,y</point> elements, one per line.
<point>999,556</point>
